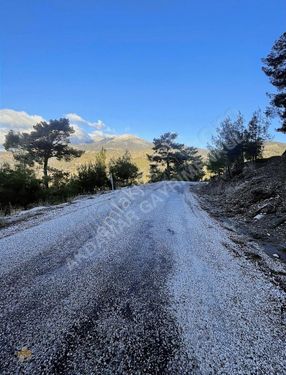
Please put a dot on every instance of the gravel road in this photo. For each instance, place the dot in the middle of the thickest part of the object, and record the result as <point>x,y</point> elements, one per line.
<point>137,281</point>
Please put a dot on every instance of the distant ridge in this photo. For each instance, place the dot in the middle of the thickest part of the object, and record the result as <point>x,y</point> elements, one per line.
<point>274,149</point>
<point>123,142</point>
<point>138,147</point>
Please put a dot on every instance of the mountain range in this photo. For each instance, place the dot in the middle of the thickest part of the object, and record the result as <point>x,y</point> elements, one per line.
<point>115,146</point>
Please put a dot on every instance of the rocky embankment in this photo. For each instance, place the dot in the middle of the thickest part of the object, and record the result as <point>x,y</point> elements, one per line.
<point>254,202</point>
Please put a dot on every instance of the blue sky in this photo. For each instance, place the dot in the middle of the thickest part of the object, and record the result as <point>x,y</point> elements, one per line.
<point>142,67</point>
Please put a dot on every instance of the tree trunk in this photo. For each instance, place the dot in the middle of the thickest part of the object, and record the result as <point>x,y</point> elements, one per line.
<point>168,168</point>
<point>46,182</point>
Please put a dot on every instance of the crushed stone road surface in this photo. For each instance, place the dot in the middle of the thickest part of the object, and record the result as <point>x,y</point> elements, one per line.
<point>137,281</point>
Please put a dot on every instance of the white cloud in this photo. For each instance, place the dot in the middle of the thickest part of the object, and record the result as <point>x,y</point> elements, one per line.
<point>73,117</point>
<point>2,137</point>
<point>97,135</point>
<point>16,120</point>
<point>77,119</point>
<point>10,119</point>
<point>80,135</point>
<point>97,125</point>
<point>82,129</point>
<point>22,121</point>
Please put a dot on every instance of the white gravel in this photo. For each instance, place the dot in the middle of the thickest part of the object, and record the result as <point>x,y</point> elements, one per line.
<point>160,291</point>
<point>229,312</point>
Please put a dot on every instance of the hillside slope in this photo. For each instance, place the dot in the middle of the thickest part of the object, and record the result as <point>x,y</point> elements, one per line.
<point>255,201</point>
<point>274,149</point>
<point>138,147</point>
<point>114,146</point>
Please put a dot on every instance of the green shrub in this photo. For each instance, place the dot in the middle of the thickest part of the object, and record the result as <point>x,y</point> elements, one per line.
<point>92,177</point>
<point>18,187</point>
<point>124,171</point>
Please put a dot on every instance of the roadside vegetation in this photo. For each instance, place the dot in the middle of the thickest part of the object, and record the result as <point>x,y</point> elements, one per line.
<point>236,144</point>
<point>171,160</point>
<point>243,184</point>
<point>46,141</point>
<point>22,187</point>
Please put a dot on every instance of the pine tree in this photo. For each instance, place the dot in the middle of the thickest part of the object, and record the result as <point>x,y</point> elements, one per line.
<point>216,161</point>
<point>46,141</point>
<point>254,136</point>
<point>229,142</point>
<point>275,69</point>
<point>189,165</point>
<point>173,160</point>
<point>124,171</point>
<point>93,176</point>
<point>165,155</point>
